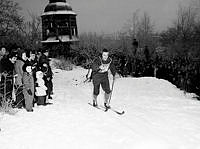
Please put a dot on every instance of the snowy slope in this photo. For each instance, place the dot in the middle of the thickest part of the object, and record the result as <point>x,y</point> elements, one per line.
<point>157,116</point>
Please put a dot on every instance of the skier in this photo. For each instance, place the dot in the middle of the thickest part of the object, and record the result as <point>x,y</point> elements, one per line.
<point>100,68</point>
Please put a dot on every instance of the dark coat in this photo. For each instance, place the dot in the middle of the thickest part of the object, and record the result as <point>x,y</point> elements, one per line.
<point>28,86</point>
<point>7,67</point>
<point>45,69</point>
<point>43,59</point>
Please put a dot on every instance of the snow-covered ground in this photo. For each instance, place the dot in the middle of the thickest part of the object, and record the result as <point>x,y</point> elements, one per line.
<point>157,116</point>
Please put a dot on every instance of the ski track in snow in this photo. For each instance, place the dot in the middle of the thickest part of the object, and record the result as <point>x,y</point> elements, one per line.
<point>157,115</point>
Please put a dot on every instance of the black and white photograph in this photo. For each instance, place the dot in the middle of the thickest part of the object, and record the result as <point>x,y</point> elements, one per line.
<point>100,74</point>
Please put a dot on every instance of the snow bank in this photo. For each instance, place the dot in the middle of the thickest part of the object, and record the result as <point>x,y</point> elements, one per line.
<point>157,115</point>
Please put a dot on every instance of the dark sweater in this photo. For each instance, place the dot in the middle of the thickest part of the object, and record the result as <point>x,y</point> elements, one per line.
<point>98,62</point>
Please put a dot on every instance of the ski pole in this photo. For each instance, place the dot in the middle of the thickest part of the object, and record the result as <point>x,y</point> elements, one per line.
<point>111,91</point>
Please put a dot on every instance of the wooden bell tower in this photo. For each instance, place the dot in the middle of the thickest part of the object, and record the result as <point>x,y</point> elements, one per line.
<point>59,27</point>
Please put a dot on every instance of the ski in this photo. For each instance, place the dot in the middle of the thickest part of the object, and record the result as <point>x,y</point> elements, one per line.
<point>113,110</point>
<point>106,109</point>
<point>116,111</point>
<point>97,107</point>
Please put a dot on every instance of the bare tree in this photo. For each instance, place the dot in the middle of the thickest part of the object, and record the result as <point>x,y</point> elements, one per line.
<point>183,37</point>
<point>145,30</point>
<point>31,31</point>
<point>141,28</point>
<point>185,25</point>
<point>9,18</point>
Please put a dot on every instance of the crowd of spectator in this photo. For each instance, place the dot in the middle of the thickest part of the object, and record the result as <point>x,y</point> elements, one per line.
<point>25,78</point>
<point>183,72</point>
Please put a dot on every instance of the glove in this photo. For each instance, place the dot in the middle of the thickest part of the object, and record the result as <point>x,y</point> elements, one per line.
<point>29,92</point>
<point>87,76</point>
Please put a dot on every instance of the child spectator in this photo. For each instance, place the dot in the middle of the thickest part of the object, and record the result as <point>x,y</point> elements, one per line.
<point>28,90</point>
<point>40,89</point>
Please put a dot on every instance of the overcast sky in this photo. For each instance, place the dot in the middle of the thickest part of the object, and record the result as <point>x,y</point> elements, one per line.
<point>110,16</point>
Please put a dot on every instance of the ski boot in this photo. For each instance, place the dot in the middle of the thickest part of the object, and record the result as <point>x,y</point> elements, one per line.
<point>94,100</point>
<point>106,104</point>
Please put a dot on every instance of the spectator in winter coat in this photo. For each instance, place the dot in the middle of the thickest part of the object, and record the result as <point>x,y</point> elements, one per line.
<point>18,80</point>
<point>48,74</point>
<point>7,69</point>
<point>44,58</point>
<point>2,52</point>
<point>2,56</point>
<point>40,89</point>
<point>28,90</point>
<point>100,69</point>
<point>34,63</point>
<point>39,54</point>
<point>135,46</point>
<point>28,55</point>
<point>33,58</point>
<point>146,53</point>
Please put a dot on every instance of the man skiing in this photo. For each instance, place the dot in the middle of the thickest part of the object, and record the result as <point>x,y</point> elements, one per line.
<point>100,68</point>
